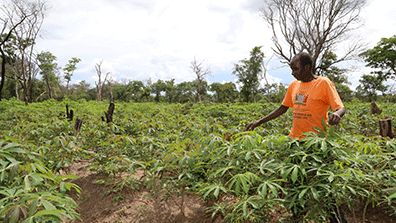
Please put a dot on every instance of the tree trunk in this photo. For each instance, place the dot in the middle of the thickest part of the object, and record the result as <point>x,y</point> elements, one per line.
<point>386,127</point>
<point>48,87</point>
<point>26,92</point>
<point>40,96</point>
<point>99,97</point>
<point>109,113</point>
<point>3,71</point>
<point>16,87</point>
<point>199,90</point>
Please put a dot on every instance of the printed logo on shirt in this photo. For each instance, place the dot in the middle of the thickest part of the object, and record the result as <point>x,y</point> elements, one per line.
<point>301,99</point>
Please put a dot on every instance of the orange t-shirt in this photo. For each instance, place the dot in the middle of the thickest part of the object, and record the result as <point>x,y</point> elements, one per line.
<point>310,102</point>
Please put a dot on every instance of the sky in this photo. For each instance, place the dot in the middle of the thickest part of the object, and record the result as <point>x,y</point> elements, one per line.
<point>158,39</point>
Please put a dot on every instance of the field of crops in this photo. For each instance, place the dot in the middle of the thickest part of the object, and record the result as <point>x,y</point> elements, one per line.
<point>194,148</point>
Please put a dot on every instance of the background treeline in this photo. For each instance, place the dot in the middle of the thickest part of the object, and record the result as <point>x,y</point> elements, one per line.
<point>33,76</point>
<point>41,79</point>
<point>139,91</point>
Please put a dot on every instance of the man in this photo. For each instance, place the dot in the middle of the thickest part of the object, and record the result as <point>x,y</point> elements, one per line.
<point>310,97</point>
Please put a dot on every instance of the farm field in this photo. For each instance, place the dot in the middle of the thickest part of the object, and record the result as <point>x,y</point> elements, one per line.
<point>189,163</point>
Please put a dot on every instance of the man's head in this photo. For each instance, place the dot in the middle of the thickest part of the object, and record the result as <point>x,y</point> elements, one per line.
<point>301,66</point>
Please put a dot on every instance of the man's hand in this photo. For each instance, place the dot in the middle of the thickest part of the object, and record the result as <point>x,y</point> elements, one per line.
<point>251,126</point>
<point>334,119</point>
<point>273,115</point>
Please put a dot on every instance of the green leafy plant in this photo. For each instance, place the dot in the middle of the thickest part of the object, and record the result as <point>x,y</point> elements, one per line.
<point>201,148</point>
<point>29,191</point>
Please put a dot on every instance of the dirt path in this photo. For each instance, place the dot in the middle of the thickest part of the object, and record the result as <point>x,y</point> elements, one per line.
<point>134,206</point>
<point>141,206</point>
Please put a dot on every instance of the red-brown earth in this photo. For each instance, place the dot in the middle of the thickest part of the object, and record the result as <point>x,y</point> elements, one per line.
<point>143,207</point>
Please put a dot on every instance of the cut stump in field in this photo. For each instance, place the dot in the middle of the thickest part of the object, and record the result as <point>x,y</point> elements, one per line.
<point>69,114</point>
<point>77,126</point>
<point>385,125</point>
<point>109,113</point>
<point>374,109</point>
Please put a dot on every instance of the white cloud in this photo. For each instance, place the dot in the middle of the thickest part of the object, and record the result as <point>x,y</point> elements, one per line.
<point>380,20</point>
<point>271,80</point>
<point>143,39</point>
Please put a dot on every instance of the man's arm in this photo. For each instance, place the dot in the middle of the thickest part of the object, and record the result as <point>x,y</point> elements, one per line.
<point>335,117</point>
<point>273,115</point>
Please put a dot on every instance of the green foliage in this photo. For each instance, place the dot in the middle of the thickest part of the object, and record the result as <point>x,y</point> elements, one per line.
<point>176,149</point>
<point>48,71</point>
<point>369,86</point>
<point>327,69</point>
<point>31,192</point>
<point>383,57</point>
<point>248,72</point>
<point>224,93</point>
<point>70,68</point>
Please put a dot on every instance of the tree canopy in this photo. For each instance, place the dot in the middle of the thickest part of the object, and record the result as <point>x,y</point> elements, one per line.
<point>48,71</point>
<point>383,57</point>
<point>314,26</point>
<point>70,68</point>
<point>369,86</point>
<point>248,72</point>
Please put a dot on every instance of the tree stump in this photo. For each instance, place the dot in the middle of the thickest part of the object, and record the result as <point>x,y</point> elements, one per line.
<point>69,114</point>
<point>386,127</point>
<point>109,113</point>
<point>67,111</point>
<point>77,126</point>
<point>374,109</point>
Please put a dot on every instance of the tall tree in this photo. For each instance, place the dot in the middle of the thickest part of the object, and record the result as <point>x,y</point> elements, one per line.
<point>14,13</point>
<point>369,86</point>
<point>170,90</point>
<point>26,34</point>
<point>157,88</point>
<point>80,90</point>
<point>383,57</point>
<point>314,26</point>
<point>48,69</point>
<point>199,92</point>
<point>185,92</point>
<point>8,59</point>
<point>69,70</point>
<point>122,91</point>
<point>216,88</point>
<point>201,72</point>
<point>137,89</point>
<point>248,72</point>
<point>224,92</point>
<point>102,78</point>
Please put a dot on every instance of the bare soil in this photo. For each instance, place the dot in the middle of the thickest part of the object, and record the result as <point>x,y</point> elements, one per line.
<point>141,206</point>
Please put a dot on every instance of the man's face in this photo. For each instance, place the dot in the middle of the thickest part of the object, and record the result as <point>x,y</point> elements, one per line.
<point>297,69</point>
